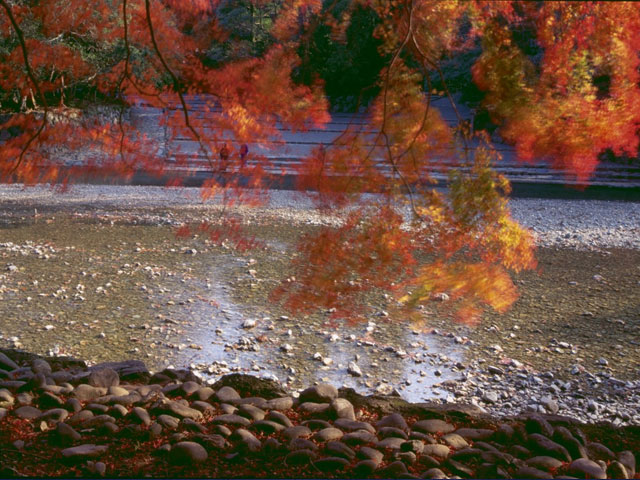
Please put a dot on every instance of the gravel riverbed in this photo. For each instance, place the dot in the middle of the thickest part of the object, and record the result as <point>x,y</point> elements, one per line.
<point>98,273</point>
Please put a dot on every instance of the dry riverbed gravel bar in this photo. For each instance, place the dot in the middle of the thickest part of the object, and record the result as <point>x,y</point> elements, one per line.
<point>98,273</point>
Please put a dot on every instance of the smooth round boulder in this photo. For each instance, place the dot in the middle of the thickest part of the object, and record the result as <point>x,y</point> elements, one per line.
<point>104,378</point>
<point>585,468</point>
<point>321,393</point>
<point>185,453</point>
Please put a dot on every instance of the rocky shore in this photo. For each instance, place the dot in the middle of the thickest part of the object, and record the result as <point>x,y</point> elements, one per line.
<point>59,417</point>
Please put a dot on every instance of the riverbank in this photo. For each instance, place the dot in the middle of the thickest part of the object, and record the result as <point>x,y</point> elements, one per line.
<point>99,274</point>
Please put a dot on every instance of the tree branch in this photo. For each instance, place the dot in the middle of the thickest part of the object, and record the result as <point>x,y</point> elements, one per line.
<point>36,85</point>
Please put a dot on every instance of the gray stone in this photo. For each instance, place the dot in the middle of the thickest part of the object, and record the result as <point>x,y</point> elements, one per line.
<point>105,377</point>
<point>364,468</point>
<point>127,370</point>
<point>331,464</point>
<point>73,404</point>
<point>300,457</point>
<point>585,468</point>
<point>342,408</point>
<point>433,473</point>
<point>140,415</point>
<point>227,395</point>
<point>267,426</point>
<point>296,432</point>
<point>527,471</point>
<point>393,443</point>
<point>542,445</point>
<point>80,417</point>
<point>27,412</point>
<point>117,391</point>
<point>118,411</point>
<point>368,453</point>
<point>385,432</point>
<point>475,433</point>
<point>565,438</point>
<point>97,408</point>
<point>188,388</point>
<point>167,421</point>
<point>395,469</point>
<point>231,419</point>
<point>314,408</point>
<point>98,421</point>
<point>455,441</point>
<point>86,393</point>
<point>204,393</point>
<point>409,458</point>
<point>182,411</point>
<point>440,451</point>
<point>427,461</point>
<point>192,426</point>
<point>39,365</point>
<point>394,420</point>
<point>359,437</point>
<point>339,449</point>
<point>6,363</point>
<point>281,404</point>
<point>316,424</point>
<point>321,393</point>
<point>352,425</point>
<point>544,463</point>
<point>597,451</point>
<point>66,433</point>
<point>328,434</point>
<point>302,444</point>
<point>6,398</point>
<point>246,440</point>
<point>537,424</point>
<point>279,417</point>
<point>212,441</point>
<point>628,459</point>
<point>458,468</point>
<point>54,415</point>
<point>202,406</point>
<point>415,446</point>
<point>433,426</point>
<point>82,452</point>
<point>186,453</point>
<point>617,470</point>
<point>251,412</point>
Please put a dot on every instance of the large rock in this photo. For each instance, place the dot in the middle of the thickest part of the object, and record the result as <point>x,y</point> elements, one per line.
<point>82,452</point>
<point>433,426</point>
<point>342,408</point>
<point>248,385</point>
<point>104,377</point>
<point>585,468</point>
<point>86,393</point>
<point>321,393</point>
<point>127,370</point>
<point>6,363</point>
<point>186,453</point>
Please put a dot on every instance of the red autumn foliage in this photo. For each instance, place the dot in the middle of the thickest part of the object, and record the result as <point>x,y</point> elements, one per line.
<point>152,52</point>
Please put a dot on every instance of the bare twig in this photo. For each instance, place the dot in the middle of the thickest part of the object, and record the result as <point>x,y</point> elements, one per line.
<point>36,85</point>
<point>176,82</point>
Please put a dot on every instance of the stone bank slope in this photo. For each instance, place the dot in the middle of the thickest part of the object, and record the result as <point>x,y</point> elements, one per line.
<point>59,417</point>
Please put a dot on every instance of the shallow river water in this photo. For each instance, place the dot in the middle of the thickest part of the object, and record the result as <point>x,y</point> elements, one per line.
<point>104,290</point>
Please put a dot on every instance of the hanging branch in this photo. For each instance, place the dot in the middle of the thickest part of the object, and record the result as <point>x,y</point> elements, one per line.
<point>176,83</point>
<point>30,74</point>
